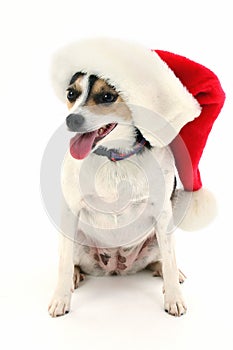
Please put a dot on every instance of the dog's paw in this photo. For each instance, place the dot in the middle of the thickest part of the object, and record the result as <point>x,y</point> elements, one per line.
<point>59,305</point>
<point>175,305</point>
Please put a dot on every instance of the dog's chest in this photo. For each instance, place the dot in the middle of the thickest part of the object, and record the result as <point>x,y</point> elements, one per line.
<point>118,194</point>
<point>119,203</point>
<point>119,183</point>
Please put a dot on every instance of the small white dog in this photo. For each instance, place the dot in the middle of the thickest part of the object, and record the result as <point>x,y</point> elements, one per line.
<point>115,220</point>
<point>136,113</point>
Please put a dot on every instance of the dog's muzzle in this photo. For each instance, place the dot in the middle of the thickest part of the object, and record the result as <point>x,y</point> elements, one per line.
<point>74,121</point>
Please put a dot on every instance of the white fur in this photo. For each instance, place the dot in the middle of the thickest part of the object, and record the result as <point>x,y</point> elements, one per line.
<point>85,86</point>
<point>194,210</point>
<point>139,75</point>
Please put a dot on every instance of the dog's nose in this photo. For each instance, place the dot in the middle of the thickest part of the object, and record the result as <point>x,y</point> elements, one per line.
<point>74,121</point>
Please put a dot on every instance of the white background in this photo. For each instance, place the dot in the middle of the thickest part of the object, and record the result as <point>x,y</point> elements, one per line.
<point>115,313</point>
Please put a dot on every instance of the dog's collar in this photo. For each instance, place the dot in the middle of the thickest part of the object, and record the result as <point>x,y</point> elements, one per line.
<point>114,155</point>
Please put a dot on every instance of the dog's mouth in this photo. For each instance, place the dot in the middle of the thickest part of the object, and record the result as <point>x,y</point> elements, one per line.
<point>82,144</point>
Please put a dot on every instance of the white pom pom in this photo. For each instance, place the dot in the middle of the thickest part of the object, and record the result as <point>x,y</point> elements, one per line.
<point>194,210</point>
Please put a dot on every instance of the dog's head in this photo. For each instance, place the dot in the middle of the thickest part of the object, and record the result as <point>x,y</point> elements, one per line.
<point>97,113</point>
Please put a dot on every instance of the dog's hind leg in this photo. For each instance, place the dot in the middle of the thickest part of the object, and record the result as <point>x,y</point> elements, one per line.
<point>77,276</point>
<point>157,269</point>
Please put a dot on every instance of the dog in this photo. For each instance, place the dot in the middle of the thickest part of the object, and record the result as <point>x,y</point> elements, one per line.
<point>115,220</point>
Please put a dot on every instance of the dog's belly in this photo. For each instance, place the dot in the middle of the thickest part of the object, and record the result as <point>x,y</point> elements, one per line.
<point>117,241</point>
<point>117,261</point>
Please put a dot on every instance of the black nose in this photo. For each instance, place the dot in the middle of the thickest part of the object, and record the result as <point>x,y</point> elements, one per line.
<point>74,121</point>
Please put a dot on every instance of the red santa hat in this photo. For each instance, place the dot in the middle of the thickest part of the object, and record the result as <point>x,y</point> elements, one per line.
<point>185,96</point>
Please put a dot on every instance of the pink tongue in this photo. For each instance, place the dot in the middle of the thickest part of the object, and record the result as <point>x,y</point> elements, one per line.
<point>81,144</point>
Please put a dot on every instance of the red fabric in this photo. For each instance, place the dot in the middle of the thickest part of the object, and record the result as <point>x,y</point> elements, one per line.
<point>204,85</point>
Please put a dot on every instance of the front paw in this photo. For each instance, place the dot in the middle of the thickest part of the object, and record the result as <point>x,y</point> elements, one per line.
<point>60,304</point>
<point>175,304</point>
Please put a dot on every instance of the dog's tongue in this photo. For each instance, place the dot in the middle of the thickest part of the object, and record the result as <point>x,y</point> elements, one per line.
<point>81,144</point>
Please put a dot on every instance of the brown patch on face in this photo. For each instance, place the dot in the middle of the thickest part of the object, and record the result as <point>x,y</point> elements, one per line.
<point>94,99</point>
<point>96,103</point>
<point>76,87</point>
<point>99,88</point>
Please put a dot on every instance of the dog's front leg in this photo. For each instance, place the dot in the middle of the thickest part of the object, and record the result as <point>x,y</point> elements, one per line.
<point>173,300</point>
<point>60,303</point>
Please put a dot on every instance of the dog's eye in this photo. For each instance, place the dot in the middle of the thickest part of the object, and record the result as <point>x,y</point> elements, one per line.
<point>72,95</point>
<point>108,98</point>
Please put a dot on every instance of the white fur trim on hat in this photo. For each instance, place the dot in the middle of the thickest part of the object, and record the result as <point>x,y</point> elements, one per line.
<point>140,76</point>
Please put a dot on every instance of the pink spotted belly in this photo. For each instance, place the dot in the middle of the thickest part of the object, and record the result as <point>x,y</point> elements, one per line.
<point>122,260</point>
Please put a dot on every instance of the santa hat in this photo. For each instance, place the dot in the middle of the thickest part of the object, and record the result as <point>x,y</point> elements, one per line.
<point>185,97</point>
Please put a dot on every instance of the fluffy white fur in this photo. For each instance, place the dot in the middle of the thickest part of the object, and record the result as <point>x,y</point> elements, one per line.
<point>194,210</point>
<point>139,75</point>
